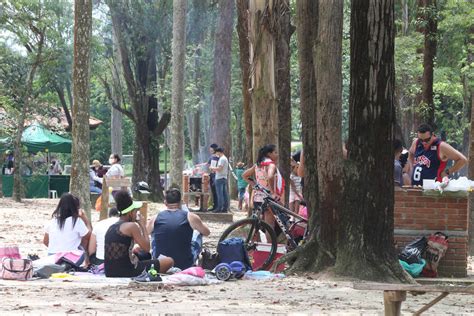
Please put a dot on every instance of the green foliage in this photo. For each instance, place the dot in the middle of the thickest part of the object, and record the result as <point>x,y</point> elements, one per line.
<point>453,75</point>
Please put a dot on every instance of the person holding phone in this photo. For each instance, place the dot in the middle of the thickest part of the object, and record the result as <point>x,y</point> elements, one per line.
<point>119,259</point>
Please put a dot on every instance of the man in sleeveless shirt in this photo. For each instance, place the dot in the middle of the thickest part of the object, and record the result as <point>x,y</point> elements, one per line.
<point>172,231</point>
<point>429,156</point>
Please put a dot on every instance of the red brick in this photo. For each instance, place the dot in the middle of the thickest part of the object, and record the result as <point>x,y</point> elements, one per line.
<point>459,206</point>
<point>412,205</point>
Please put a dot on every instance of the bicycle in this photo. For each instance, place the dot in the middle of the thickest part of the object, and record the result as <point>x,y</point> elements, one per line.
<point>253,230</point>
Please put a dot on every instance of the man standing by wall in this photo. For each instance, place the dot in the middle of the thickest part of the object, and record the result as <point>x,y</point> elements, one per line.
<point>429,156</point>
<point>222,170</point>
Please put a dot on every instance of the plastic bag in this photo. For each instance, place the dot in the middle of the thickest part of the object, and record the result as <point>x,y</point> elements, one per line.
<point>186,279</point>
<point>46,271</point>
<point>413,269</point>
<point>413,251</point>
<point>262,275</point>
<point>194,271</point>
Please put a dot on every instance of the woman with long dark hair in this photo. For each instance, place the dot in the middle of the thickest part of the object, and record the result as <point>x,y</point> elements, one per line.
<point>69,228</point>
<point>266,173</point>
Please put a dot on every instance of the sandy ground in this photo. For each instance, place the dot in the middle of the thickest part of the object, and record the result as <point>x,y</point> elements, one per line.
<point>22,224</point>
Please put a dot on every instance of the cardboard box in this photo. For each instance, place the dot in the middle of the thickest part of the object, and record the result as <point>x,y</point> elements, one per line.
<point>261,253</point>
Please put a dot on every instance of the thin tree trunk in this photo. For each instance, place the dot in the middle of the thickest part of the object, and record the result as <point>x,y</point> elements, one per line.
<point>18,154</point>
<point>405,17</point>
<point>471,176</point>
<point>238,139</point>
<point>283,90</point>
<point>116,115</point>
<point>18,190</point>
<point>428,14</point>
<point>469,97</point>
<point>116,131</point>
<point>177,106</point>
<point>243,32</point>
<point>220,113</point>
<point>60,91</point>
<point>262,61</point>
<point>196,133</point>
<point>365,248</point>
<point>81,106</point>
<point>197,35</point>
<point>328,70</point>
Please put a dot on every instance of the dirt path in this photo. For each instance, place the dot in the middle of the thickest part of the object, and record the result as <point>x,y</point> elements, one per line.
<point>23,224</point>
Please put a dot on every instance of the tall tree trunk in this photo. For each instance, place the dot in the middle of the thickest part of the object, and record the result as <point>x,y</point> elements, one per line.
<point>428,13</point>
<point>405,17</point>
<point>306,31</point>
<point>26,98</point>
<point>262,62</point>
<point>365,247</point>
<point>220,113</point>
<point>197,35</point>
<point>116,131</point>
<point>238,139</point>
<point>141,84</point>
<point>18,190</point>
<point>177,106</point>
<point>196,133</point>
<point>283,90</point>
<point>116,115</point>
<point>243,32</point>
<point>471,176</point>
<point>328,70</point>
<point>81,106</point>
<point>469,98</point>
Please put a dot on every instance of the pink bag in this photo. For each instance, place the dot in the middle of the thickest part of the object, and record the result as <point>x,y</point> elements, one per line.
<point>11,251</point>
<point>17,269</point>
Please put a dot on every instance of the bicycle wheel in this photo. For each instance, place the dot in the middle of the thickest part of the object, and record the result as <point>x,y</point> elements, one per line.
<point>254,232</point>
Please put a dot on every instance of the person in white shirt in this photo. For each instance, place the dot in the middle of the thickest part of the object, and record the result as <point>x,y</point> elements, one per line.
<point>221,171</point>
<point>69,229</point>
<point>97,241</point>
<point>116,170</point>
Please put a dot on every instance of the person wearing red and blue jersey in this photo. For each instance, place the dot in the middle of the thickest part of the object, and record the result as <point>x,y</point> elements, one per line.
<point>429,156</point>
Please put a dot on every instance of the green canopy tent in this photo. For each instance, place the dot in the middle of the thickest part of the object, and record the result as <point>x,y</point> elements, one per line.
<point>38,138</point>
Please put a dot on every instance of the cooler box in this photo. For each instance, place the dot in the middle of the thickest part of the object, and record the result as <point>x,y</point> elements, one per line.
<point>261,253</point>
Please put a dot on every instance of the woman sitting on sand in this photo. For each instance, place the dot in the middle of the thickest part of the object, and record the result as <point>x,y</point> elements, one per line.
<point>69,228</point>
<point>120,260</point>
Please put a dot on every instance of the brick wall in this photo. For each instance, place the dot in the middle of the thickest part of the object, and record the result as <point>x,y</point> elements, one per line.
<point>421,214</point>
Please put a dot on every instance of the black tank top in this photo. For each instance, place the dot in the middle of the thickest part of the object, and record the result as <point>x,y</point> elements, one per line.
<point>117,253</point>
<point>172,235</point>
